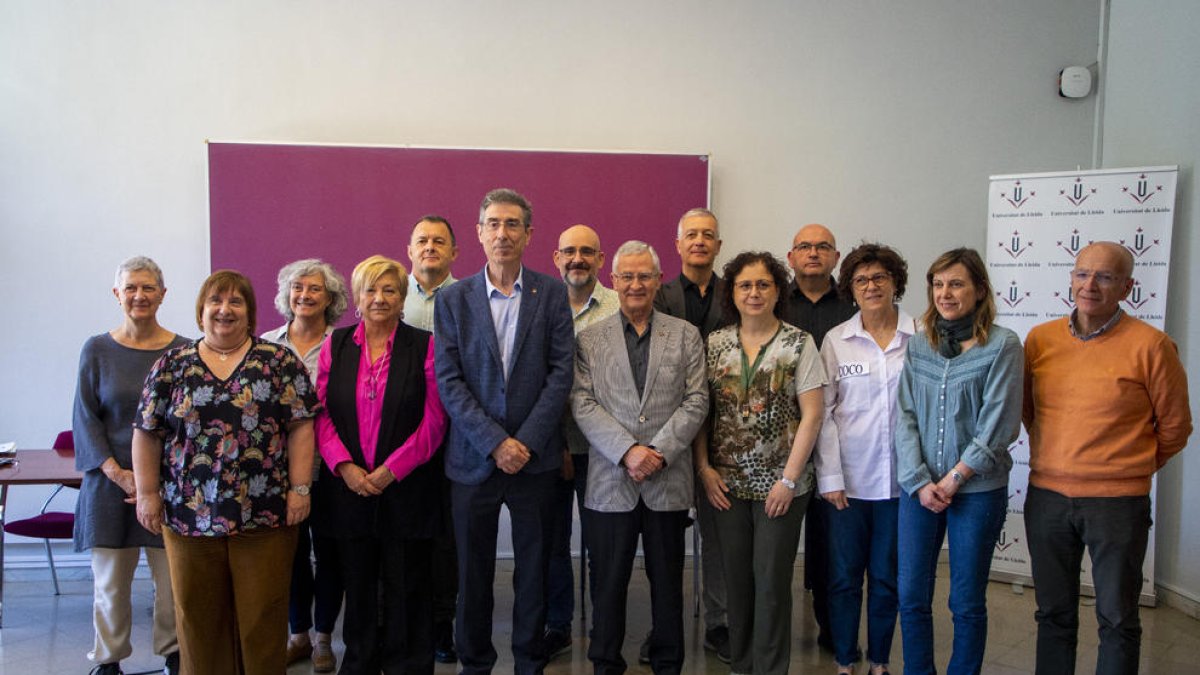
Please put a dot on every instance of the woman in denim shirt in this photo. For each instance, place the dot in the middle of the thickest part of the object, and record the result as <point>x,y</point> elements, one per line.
<point>960,408</point>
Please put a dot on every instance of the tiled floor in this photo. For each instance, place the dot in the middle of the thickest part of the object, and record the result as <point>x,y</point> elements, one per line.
<point>47,634</point>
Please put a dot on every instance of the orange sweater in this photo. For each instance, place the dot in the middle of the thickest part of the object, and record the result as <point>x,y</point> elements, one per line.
<point>1103,414</point>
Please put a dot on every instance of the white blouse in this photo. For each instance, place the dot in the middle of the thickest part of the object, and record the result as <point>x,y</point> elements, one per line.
<point>855,450</point>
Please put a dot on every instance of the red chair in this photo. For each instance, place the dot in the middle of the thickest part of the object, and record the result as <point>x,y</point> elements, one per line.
<point>49,525</point>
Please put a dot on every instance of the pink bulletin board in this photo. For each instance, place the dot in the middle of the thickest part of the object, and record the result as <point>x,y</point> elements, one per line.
<point>270,204</point>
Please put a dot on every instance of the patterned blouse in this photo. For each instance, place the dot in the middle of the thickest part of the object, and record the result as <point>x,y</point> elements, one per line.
<point>224,464</point>
<point>754,423</point>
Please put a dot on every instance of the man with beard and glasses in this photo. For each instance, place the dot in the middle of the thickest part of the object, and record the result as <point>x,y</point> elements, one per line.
<point>578,258</point>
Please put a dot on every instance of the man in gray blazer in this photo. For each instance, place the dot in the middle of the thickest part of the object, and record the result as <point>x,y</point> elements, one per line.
<point>639,397</point>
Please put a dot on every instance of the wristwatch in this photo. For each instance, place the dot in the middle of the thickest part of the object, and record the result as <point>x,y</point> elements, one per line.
<point>788,483</point>
<point>302,490</point>
<point>956,477</point>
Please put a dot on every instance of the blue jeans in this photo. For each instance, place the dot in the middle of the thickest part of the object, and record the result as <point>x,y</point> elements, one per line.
<point>560,582</point>
<point>865,542</point>
<point>973,522</point>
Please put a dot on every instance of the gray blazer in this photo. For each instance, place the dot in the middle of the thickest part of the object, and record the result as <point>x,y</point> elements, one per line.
<point>673,405</point>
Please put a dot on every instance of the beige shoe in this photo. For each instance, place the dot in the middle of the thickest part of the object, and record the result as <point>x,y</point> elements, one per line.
<point>298,651</point>
<point>322,657</point>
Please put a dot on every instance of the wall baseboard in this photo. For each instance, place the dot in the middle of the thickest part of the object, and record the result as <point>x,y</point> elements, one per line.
<point>1177,599</point>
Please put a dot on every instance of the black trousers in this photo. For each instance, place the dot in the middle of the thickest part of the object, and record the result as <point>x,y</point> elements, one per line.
<point>1115,531</point>
<point>317,593</point>
<point>445,567</point>
<point>816,561</point>
<point>476,510</point>
<point>612,543</point>
<point>388,623</point>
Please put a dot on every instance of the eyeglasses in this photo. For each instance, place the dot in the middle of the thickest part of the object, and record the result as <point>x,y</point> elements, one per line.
<point>879,279</point>
<point>746,286</point>
<point>495,225</point>
<point>585,251</point>
<point>820,246</point>
<point>628,277</point>
<point>1106,279</point>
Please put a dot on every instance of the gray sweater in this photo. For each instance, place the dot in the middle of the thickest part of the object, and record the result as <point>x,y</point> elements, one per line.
<point>110,385</point>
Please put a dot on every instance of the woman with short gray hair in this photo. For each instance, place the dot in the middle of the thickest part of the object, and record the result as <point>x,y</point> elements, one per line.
<point>112,369</point>
<point>312,297</point>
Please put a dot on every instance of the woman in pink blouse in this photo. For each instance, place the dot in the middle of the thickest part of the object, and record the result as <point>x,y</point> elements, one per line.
<point>380,427</point>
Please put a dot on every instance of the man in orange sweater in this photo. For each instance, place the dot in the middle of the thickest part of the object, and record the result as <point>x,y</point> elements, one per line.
<point>1106,405</point>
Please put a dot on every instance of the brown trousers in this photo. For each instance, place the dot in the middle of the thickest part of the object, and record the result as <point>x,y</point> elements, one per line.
<point>231,600</point>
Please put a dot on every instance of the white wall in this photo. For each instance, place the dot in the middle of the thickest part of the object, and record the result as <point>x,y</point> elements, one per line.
<point>1150,118</point>
<point>882,120</point>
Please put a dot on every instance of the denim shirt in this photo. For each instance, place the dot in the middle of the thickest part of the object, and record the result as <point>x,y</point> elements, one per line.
<point>967,408</point>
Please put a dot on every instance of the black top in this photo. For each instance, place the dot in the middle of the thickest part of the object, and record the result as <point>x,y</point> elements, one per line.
<point>638,347</point>
<point>698,306</point>
<point>816,317</point>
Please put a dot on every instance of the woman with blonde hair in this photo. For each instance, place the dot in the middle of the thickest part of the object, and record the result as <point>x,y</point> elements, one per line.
<point>960,408</point>
<point>380,494</point>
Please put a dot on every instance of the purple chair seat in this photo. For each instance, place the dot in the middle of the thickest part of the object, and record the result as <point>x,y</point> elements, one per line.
<point>49,525</point>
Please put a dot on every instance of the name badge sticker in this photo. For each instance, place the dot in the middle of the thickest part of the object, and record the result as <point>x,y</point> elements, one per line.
<point>853,369</point>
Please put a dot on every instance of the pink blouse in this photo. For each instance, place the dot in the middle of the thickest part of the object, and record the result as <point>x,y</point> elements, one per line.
<point>371,383</point>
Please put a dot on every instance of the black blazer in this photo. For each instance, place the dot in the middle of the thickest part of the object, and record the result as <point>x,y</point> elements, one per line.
<point>410,508</point>
<point>670,300</point>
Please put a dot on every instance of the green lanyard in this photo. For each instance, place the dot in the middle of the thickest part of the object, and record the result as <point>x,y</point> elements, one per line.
<point>750,370</point>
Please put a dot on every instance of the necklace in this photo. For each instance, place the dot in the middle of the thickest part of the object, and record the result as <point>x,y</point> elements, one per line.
<point>223,355</point>
<point>373,372</point>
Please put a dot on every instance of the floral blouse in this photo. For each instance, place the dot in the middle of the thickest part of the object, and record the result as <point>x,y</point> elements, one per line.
<point>225,464</point>
<point>755,422</point>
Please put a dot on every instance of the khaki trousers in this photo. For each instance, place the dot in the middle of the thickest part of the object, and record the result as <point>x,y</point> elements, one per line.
<point>113,569</point>
<point>231,600</point>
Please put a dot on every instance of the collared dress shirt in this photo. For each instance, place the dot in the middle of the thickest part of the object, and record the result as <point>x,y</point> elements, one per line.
<point>1099,331</point>
<point>816,317</point>
<point>856,449</point>
<point>603,303</point>
<point>506,310</point>
<point>371,383</point>
<point>419,305</point>
<point>280,337</point>
<point>638,348</point>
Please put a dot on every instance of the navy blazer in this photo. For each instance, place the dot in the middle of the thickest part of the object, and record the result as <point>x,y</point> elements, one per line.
<point>483,409</point>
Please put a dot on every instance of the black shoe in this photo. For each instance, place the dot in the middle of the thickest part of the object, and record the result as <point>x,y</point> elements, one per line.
<point>443,643</point>
<point>555,642</point>
<point>644,651</point>
<point>717,640</point>
<point>171,667</point>
<point>107,669</point>
<point>825,642</point>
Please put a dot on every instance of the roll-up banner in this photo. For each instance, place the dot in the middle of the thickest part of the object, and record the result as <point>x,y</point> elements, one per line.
<point>1037,224</point>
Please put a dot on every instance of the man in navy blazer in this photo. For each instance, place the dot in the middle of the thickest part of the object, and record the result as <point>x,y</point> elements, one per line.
<point>505,354</point>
